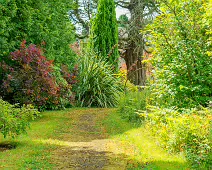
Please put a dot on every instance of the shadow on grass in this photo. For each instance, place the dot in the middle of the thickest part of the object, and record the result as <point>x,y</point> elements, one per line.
<point>86,158</point>
<point>4,146</point>
<point>84,125</point>
<point>64,139</point>
<point>157,165</point>
<point>83,157</point>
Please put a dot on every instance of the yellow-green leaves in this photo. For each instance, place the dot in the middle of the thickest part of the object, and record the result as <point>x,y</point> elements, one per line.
<point>181,39</point>
<point>15,120</point>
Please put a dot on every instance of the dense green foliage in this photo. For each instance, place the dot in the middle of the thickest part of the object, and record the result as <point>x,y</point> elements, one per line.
<point>208,23</point>
<point>14,120</point>
<point>39,22</point>
<point>132,101</point>
<point>181,81</point>
<point>188,132</point>
<point>104,33</point>
<point>26,76</point>
<point>183,68</point>
<point>97,86</point>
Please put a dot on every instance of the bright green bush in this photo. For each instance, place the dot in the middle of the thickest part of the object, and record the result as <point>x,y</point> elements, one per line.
<point>132,101</point>
<point>182,66</point>
<point>187,132</point>
<point>14,120</point>
<point>97,84</point>
<point>208,23</point>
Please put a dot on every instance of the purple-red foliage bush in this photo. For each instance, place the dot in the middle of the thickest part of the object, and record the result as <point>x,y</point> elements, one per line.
<point>71,78</point>
<point>30,79</point>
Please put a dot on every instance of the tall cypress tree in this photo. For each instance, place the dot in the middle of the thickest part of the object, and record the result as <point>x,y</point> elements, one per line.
<point>104,32</point>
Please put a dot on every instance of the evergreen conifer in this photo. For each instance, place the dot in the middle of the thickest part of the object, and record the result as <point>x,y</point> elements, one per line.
<point>104,32</point>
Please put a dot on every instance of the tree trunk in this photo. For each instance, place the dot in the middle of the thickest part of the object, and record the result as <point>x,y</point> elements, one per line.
<point>134,52</point>
<point>136,70</point>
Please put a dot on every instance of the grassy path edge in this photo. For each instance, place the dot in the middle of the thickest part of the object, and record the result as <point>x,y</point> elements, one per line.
<point>34,151</point>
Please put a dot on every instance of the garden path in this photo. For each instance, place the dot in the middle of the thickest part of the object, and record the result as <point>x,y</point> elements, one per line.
<point>86,145</point>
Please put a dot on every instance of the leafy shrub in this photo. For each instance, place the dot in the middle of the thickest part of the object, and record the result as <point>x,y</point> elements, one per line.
<point>186,132</point>
<point>132,101</point>
<point>38,22</point>
<point>208,22</point>
<point>14,120</point>
<point>65,79</point>
<point>30,79</point>
<point>71,78</point>
<point>97,85</point>
<point>182,75</point>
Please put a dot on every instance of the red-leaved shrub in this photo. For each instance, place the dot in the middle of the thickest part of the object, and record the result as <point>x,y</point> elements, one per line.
<point>30,79</point>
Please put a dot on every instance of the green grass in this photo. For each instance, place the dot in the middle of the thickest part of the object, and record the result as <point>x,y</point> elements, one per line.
<point>33,151</point>
<point>30,151</point>
<point>148,155</point>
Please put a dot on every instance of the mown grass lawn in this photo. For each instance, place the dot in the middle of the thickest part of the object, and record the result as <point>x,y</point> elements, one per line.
<point>29,152</point>
<point>140,149</point>
<point>150,155</point>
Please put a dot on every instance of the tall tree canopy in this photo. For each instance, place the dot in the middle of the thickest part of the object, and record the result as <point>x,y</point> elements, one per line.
<point>130,37</point>
<point>38,22</point>
<point>141,13</point>
<point>104,33</point>
<point>81,14</point>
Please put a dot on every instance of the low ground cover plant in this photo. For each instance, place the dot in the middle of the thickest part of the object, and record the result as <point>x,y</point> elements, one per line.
<point>14,119</point>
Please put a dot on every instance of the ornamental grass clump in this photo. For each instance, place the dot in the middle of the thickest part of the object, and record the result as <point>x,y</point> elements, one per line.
<point>97,86</point>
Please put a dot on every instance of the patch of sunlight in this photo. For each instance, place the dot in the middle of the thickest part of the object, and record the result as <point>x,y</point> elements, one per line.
<point>101,145</point>
<point>140,145</point>
<point>98,145</point>
<point>52,142</point>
